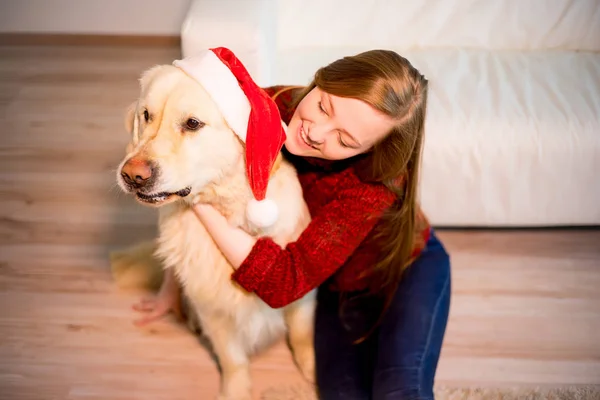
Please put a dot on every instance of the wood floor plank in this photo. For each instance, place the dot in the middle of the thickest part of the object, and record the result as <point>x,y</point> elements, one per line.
<point>525,306</point>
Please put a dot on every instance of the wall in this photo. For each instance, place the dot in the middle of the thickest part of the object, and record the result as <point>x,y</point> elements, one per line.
<point>115,17</point>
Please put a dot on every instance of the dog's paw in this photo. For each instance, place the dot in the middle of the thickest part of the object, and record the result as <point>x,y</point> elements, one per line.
<point>236,385</point>
<point>305,360</point>
<point>246,396</point>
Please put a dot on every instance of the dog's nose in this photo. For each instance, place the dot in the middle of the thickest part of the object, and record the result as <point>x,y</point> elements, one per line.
<point>136,172</point>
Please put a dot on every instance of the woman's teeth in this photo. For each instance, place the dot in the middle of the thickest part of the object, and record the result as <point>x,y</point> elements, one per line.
<point>305,137</point>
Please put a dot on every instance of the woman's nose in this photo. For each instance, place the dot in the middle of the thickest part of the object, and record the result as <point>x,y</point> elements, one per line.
<point>317,134</point>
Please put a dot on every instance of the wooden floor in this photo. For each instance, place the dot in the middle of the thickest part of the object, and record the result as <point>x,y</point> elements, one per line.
<point>525,307</point>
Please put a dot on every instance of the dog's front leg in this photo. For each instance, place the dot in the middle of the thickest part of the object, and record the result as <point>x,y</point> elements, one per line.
<point>232,356</point>
<point>299,317</point>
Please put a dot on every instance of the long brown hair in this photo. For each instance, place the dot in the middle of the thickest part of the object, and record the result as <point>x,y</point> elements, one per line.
<point>390,84</point>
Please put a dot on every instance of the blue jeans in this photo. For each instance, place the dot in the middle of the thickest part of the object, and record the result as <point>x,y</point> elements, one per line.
<point>399,359</point>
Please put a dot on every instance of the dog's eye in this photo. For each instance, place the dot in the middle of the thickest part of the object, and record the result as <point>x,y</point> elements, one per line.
<point>146,115</point>
<point>193,124</point>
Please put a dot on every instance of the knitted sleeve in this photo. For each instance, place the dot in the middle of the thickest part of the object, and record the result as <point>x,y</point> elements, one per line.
<point>280,276</point>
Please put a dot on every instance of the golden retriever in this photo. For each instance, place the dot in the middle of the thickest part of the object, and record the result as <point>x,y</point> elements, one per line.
<point>182,150</point>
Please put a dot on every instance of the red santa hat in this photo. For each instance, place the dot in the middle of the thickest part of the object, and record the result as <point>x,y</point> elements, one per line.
<point>250,113</point>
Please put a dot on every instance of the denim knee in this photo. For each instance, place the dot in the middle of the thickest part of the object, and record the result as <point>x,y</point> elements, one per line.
<point>401,384</point>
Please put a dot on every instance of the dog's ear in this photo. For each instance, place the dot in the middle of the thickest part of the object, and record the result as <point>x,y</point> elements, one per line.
<point>130,117</point>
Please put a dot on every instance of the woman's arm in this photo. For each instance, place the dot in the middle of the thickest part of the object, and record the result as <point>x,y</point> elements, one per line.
<point>280,276</point>
<point>234,243</point>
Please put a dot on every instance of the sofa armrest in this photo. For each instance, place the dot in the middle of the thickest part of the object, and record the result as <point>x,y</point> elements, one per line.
<point>248,28</point>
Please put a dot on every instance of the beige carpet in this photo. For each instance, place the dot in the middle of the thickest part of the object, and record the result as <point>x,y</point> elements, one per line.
<point>452,393</point>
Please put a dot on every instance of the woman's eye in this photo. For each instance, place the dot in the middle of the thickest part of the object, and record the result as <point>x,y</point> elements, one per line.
<point>146,115</point>
<point>343,144</point>
<point>321,108</point>
<point>193,124</point>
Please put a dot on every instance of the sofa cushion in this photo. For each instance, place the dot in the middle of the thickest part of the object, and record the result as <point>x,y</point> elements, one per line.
<point>499,25</point>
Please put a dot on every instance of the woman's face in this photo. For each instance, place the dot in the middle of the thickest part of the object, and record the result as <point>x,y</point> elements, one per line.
<point>334,128</point>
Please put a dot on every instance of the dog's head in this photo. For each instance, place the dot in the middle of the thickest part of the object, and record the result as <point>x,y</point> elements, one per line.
<point>179,139</point>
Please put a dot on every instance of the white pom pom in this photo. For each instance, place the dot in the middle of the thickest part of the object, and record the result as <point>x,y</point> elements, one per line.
<point>262,213</point>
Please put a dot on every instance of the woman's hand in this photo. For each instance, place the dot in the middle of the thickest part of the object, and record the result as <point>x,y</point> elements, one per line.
<point>234,243</point>
<point>168,299</point>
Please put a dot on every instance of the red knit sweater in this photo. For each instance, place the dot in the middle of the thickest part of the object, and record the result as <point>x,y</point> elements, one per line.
<point>344,212</point>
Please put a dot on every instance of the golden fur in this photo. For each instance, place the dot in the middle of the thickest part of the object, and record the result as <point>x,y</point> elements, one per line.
<point>210,161</point>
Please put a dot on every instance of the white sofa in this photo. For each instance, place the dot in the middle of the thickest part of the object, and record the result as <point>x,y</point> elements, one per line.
<point>513,125</point>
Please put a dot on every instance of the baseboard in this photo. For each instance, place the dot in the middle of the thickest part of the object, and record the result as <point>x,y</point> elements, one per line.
<point>58,39</point>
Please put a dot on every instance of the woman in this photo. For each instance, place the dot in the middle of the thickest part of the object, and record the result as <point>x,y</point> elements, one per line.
<point>355,135</point>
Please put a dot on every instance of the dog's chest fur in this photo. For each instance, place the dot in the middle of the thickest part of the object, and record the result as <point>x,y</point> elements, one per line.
<point>185,245</point>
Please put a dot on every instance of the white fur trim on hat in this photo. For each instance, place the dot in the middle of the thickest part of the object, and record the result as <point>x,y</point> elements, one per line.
<point>223,87</point>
